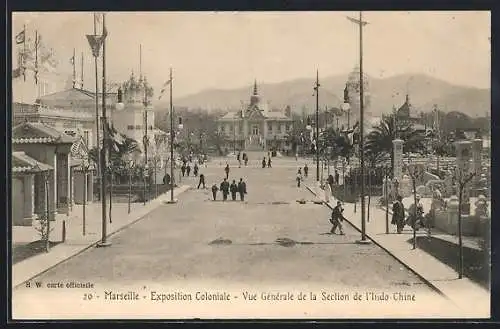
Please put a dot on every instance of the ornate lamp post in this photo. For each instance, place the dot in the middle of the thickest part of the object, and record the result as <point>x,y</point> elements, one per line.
<point>85,168</point>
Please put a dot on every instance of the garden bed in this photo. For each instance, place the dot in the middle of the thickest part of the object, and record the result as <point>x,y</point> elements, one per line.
<point>24,251</point>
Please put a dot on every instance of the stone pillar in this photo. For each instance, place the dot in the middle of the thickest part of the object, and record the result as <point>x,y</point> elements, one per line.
<point>397,149</point>
<point>477,150</point>
<point>463,169</point>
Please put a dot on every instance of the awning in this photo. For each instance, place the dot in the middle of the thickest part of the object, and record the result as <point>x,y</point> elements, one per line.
<point>22,163</point>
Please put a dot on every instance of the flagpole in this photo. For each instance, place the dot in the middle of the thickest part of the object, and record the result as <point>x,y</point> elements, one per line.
<point>24,53</point>
<point>98,126</point>
<point>36,58</point>
<point>74,67</point>
<point>171,143</point>
<point>82,73</point>
<point>361,130</point>
<point>104,242</point>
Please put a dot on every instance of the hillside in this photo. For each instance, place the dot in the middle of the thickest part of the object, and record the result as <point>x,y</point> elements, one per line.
<point>425,91</point>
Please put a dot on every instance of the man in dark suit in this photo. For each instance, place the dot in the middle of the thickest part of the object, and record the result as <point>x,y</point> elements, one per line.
<point>242,189</point>
<point>224,187</point>
<point>337,218</point>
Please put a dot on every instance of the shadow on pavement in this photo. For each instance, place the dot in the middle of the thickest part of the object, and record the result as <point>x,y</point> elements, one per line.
<point>284,242</point>
<point>476,264</point>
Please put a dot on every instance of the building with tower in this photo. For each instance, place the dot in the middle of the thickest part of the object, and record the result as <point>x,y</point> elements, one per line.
<point>408,114</point>
<point>256,127</point>
<point>137,119</point>
<point>352,96</point>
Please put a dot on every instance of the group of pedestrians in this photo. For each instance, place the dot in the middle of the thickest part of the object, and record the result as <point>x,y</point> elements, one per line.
<point>186,168</point>
<point>268,163</point>
<point>241,157</point>
<point>226,188</point>
<point>415,218</point>
<point>233,188</point>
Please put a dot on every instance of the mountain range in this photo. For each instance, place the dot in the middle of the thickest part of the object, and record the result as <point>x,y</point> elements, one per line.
<point>424,91</point>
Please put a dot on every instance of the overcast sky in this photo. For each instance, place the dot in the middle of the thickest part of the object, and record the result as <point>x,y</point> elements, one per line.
<point>226,50</point>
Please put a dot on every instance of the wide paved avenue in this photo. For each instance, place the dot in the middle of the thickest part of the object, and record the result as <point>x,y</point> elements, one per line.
<point>268,240</point>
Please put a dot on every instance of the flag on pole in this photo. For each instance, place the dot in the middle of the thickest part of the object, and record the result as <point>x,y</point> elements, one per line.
<point>95,42</point>
<point>356,21</point>
<point>164,88</point>
<point>20,37</point>
<point>72,60</point>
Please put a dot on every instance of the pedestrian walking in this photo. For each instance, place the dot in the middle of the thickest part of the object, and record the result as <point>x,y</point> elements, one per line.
<point>418,221</point>
<point>296,157</point>
<point>337,218</point>
<point>214,191</point>
<point>264,162</point>
<point>234,189</point>
<point>183,169</point>
<point>227,170</point>
<point>337,177</point>
<point>224,187</point>
<point>166,179</point>
<point>398,214</point>
<point>330,181</point>
<point>299,177</point>
<point>202,181</point>
<point>195,169</point>
<point>306,170</point>
<point>188,170</point>
<point>238,157</point>
<point>328,193</point>
<point>269,163</point>
<point>245,158</point>
<point>242,189</point>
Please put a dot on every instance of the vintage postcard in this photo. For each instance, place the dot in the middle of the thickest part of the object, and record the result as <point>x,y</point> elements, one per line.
<point>251,165</point>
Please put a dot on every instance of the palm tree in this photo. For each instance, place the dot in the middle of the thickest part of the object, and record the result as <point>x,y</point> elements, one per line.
<point>379,140</point>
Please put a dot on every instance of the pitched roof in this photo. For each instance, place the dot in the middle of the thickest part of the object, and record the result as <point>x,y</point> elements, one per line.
<point>24,163</point>
<point>72,94</point>
<point>39,133</point>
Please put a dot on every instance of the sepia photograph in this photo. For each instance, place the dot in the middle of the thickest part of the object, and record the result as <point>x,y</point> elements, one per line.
<point>250,165</point>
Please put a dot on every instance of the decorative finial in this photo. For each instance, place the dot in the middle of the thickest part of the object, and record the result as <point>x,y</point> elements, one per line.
<point>255,87</point>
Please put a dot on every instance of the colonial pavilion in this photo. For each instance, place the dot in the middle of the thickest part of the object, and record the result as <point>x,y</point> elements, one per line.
<point>256,127</point>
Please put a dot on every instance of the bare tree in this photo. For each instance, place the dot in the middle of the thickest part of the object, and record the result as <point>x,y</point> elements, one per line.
<point>463,178</point>
<point>414,173</point>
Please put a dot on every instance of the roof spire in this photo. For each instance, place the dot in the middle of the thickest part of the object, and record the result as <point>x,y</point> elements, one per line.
<point>255,87</point>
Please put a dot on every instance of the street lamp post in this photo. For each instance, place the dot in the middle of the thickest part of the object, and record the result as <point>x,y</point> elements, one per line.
<point>316,89</point>
<point>172,135</point>
<point>360,23</point>
<point>104,240</point>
